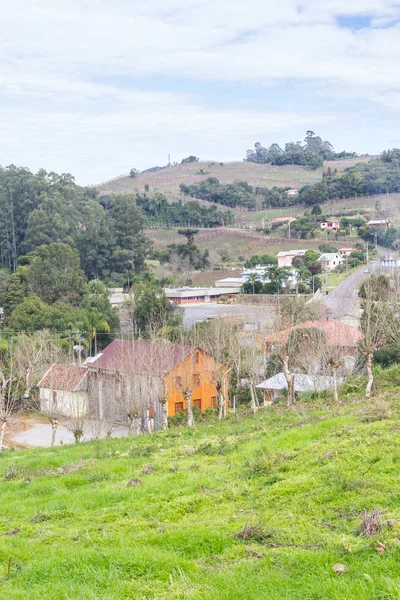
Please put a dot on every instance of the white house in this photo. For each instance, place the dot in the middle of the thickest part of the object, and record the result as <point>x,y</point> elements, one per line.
<point>285,258</point>
<point>329,261</point>
<point>64,390</point>
<point>274,386</point>
<point>379,223</point>
<point>389,262</point>
<point>331,225</point>
<point>190,295</point>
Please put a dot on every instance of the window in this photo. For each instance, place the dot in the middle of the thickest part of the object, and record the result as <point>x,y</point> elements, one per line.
<point>196,380</point>
<point>214,402</point>
<point>54,398</point>
<point>197,403</point>
<point>197,358</point>
<point>178,406</point>
<point>178,382</point>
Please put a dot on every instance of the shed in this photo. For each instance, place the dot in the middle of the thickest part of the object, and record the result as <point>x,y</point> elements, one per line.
<point>274,386</point>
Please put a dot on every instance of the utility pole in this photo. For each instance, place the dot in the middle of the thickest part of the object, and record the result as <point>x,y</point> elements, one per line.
<point>169,160</point>
<point>367,252</point>
<point>289,229</point>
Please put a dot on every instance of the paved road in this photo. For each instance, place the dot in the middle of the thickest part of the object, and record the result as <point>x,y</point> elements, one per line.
<point>344,300</point>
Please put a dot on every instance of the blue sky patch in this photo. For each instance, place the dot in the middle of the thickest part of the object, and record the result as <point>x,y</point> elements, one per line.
<point>354,23</point>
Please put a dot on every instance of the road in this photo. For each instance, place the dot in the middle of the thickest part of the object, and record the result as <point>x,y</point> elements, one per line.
<point>343,300</point>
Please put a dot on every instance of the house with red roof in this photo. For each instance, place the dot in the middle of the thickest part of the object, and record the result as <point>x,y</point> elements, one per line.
<point>166,371</point>
<point>337,334</point>
<point>64,390</point>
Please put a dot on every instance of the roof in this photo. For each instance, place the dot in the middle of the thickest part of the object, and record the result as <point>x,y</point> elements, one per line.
<point>283,219</point>
<point>302,383</point>
<point>291,252</point>
<point>331,221</point>
<point>64,377</point>
<point>158,357</point>
<point>379,222</point>
<point>337,333</point>
<point>345,249</point>
<point>328,256</point>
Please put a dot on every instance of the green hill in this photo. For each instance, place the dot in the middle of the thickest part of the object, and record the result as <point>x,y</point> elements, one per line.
<point>256,507</point>
<point>168,180</point>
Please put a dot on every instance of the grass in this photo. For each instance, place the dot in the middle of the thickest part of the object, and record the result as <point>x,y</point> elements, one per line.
<point>168,180</point>
<point>257,507</point>
<point>333,279</point>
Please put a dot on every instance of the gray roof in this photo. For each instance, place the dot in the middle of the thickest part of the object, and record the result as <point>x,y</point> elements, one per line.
<point>302,383</point>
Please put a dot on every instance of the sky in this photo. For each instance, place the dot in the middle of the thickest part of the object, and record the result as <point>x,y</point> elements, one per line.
<point>94,88</point>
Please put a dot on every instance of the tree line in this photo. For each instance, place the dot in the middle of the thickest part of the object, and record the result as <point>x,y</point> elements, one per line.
<point>310,153</point>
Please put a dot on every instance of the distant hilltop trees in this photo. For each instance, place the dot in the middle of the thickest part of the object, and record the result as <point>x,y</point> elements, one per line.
<point>310,153</point>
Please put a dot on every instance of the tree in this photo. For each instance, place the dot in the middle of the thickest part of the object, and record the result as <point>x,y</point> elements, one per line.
<point>278,276</point>
<point>11,389</point>
<point>153,311</point>
<point>128,224</point>
<point>216,344</point>
<point>190,159</point>
<point>375,328</point>
<point>133,172</point>
<point>54,274</point>
<point>252,278</point>
<point>189,235</point>
<point>316,210</point>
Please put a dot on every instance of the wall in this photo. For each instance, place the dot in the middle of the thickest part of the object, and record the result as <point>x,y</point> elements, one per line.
<point>67,403</point>
<point>204,392</point>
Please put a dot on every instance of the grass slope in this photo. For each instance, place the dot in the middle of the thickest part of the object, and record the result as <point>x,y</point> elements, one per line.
<point>168,180</point>
<point>72,529</point>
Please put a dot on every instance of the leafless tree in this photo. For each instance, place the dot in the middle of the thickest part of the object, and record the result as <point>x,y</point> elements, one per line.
<point>375,325</point>
<point>11,391</point>
<point>216,344</point>
<point>76,419</point>
<point>33,355</point>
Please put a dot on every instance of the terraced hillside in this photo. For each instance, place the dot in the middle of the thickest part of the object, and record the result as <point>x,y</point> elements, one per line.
<point>300,504</point>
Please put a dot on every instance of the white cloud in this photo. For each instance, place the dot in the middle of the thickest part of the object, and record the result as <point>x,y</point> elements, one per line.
<point>70,92</point>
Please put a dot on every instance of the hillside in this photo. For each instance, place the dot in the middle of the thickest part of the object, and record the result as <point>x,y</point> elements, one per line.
<point>168,180</point>
<point>270,506</point>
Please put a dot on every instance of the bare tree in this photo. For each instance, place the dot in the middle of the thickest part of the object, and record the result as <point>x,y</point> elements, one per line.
<point>375,325</point>
<point>216,344</point>
<point>11,391</point>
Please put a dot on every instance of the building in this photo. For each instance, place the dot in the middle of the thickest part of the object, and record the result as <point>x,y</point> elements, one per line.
<point>338,335</point>
<point>229,282</point>
<point>160,370</point>
<point>329,261</point>
<point>330,225</point>
<point>117,296</point>
<point>379,223</point>
<point>190,295</point>
<point>273,387</point>
<point>389,262</point>
<point>292,192</point>
<point>285,259</point>
<point>64,390</point>
<point>345,252</point>
<point>283,220</point>
<point>257,270</point>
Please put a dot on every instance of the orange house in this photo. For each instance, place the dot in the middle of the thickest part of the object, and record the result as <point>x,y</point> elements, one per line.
<point>199,374</point>
<point>175,370</point>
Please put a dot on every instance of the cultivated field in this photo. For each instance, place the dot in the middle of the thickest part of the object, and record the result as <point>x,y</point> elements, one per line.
<point>300,504</point>
<point>168,180</point>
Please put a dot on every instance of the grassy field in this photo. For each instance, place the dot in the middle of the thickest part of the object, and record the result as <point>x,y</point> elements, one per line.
<point>256,507</point>
<point>168,180</point>
<point>237,242</point>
